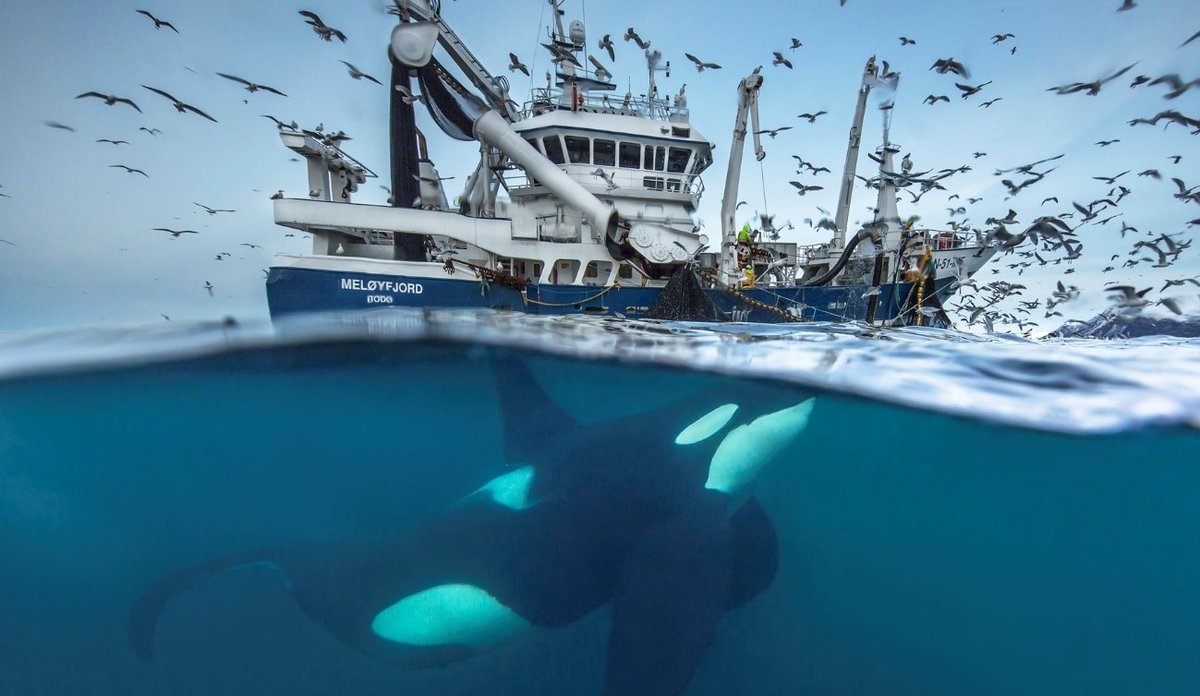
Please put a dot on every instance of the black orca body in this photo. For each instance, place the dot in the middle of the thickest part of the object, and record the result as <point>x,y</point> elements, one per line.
<point>632,512</point>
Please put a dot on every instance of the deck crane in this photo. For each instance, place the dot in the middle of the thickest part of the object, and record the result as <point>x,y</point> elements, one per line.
<point>747,106</point>
<point>419,20</point>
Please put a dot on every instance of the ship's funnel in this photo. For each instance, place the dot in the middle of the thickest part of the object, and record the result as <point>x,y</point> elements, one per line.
<point>413,42</point>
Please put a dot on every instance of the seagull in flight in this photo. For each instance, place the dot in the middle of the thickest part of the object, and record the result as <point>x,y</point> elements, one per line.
<point>1179,87</point>
<point>772,132</point>
<point>949,65</point>
<point>130,170</point>
<point>1131,297</point>
<point>803,189</point>
<point>213,211</point>
<point>151,131</point>
<point>608,180</point>
<point>251,86</point>
<point>280,124</point>
<point>968,90</point>
<point>180,106</point>
<point>905,41</point>
<point>812,118</point>
<point>701,65</point>
<point>321,29</point>
<point>780,60</point>
<point>407,96</point>
<point>113,142</point>
<point>1110,180</point>
<point>60,126</point>
<point>110,99</point>
<point>631,35</point>
<point>1092,88</point>
<point>174,233</point>
<point>159,23</point>
<point>514,64</point>
<point>607,45</point>
<point>358,74</point>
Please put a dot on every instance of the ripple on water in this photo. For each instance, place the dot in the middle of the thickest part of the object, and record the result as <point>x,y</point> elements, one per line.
<point>1063,385</point>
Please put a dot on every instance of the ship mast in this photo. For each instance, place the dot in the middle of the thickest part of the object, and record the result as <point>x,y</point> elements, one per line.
<point>887,216</point>
<point>848,172</point>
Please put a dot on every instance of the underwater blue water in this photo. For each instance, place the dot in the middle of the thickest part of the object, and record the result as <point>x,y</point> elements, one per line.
<point>962,515</point>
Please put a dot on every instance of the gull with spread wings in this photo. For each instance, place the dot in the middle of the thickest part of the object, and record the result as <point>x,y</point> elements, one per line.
<point>110,99</point>
<point>180,106</point>
<point>251,86</point>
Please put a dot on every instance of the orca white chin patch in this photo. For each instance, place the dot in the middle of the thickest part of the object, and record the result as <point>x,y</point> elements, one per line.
<point>510,490</point>
<point>707,425</point>
<point>747,448</point>
<point>456,614</point>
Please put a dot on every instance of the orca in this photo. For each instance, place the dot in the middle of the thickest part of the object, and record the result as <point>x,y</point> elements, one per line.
<point>651,514</point>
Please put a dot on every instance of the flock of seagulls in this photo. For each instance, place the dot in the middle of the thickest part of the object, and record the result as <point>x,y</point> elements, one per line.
<point>319,27</point>
<point>1049,240</point>
<point>1054,240</point>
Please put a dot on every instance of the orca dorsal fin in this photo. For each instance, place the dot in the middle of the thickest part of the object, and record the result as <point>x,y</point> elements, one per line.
<point>528,415</point>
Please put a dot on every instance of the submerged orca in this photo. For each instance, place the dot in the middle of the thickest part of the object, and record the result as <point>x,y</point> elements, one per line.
<point>652,513</point>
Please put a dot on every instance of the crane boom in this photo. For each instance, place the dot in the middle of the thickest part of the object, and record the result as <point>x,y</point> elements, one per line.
<point>747,106</point>
<point>494,89</point>
<point>843,211</point>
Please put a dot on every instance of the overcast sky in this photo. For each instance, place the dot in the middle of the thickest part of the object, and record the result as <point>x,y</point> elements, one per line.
<point>81,247</point>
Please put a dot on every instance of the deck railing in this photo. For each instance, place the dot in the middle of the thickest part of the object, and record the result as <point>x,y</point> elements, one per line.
<point>545,99</point>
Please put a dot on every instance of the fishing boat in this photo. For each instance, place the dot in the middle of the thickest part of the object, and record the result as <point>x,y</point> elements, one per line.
<point>585,202</point>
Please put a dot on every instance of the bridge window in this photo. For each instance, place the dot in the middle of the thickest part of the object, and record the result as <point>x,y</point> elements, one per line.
<point>655,159</point>
<point>579,150</point>
<point>554,149</point>
<point>677,160</point>
<point>597,272</point>
<point>604,153</point>
<point>534,143</point>
<point>654,183</point>
<point>631,155</point>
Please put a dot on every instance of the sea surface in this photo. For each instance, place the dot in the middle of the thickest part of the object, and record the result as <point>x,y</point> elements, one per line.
<point>963,515</point>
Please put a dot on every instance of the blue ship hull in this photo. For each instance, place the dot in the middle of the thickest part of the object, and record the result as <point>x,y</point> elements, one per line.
<point>297,290</point>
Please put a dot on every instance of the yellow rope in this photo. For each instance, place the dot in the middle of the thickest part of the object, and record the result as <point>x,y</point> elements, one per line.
<point>598,295</point>
<point>711,276</point>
